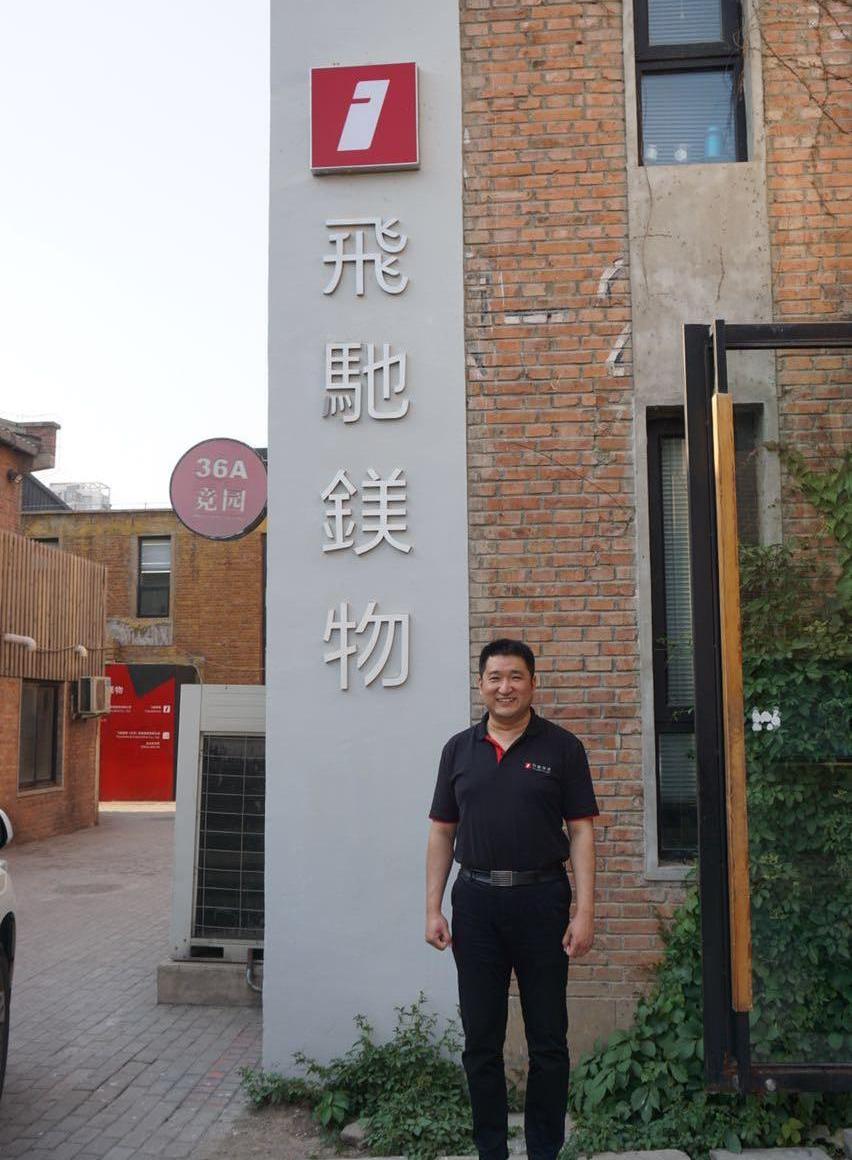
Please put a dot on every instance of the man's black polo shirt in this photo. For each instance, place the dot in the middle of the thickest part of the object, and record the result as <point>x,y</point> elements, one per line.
<point>510,809</point>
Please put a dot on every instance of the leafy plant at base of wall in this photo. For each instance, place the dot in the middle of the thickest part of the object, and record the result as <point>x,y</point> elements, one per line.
<point>645,1088</point>
<point>264,1088</point>
<point>332,1109</point>
<point>411,1089</point>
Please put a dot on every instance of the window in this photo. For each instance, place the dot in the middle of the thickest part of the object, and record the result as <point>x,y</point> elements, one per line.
<point>677,820</point>
<point>38,761</point>
<point>689,81</point>
<point>50,541</point>
<point>155,567</point>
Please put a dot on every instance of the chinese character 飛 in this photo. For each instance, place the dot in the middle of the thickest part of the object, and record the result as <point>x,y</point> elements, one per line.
<point>390,242</point>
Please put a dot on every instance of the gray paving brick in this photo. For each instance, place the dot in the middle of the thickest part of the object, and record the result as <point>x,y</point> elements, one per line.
<point>96,1069</point>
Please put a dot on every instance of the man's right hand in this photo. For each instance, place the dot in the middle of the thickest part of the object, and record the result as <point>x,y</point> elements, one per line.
<point>438,932</point>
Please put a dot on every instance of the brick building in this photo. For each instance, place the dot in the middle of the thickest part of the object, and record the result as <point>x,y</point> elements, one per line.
<point>52,633</point>
<point>611,196</point>
<point>180,608</point>
<point>625,168</point>
<point>173,598</point>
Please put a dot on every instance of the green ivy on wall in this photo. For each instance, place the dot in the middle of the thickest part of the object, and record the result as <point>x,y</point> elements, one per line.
<point>645,1087</point>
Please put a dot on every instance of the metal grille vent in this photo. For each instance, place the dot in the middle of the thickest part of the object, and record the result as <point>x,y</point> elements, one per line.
<point>229,867</point>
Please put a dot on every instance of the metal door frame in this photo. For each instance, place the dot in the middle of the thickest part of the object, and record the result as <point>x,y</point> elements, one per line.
<point>727,1059</point>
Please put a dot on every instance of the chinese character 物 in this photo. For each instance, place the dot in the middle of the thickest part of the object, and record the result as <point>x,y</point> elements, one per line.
<point>385,630</point>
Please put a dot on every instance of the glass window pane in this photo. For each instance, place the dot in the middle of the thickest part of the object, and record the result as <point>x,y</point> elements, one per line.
<point>688,117</point>
<point>155,555</point>
<point>38,746</point>
<point>679,679</point>
<point>677,792</point>
<point>684,21</point>
<point>154,595</point>
<point>27,745</point>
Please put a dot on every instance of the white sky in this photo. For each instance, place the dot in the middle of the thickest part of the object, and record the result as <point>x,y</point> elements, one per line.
<point>133,230</point>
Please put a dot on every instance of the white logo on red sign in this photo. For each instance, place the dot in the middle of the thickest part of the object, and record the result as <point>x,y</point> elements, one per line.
<point>359,128</point>
<point>364,118</point>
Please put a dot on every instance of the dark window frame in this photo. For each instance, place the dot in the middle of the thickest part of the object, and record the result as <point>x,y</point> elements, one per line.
<point>57,710</point>
<point>142,587</point>
<point>723,55</point>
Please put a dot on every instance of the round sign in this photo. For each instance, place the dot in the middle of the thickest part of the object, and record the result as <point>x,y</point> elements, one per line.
<point>218,489</point>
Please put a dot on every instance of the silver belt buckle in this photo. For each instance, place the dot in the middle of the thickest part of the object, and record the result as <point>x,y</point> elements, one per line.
<point>502,877</point>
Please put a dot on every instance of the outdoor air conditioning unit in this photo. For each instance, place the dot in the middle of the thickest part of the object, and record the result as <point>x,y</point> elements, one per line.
<point>218,897</point>
<point>92,696</point>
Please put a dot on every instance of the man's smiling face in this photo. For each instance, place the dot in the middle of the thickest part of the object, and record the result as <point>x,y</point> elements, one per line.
<point>507,688</point>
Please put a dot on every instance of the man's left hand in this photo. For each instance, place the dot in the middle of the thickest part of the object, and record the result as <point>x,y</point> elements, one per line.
<point>579,936</point>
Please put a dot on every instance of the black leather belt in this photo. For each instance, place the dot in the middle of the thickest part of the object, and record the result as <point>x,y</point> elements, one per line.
<point>512,877</point>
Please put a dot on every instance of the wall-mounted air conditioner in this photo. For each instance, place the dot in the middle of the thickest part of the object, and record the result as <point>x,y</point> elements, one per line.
<point>92,696</point>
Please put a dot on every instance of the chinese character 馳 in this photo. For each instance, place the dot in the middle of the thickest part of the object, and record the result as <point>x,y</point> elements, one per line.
<point>345,377</point>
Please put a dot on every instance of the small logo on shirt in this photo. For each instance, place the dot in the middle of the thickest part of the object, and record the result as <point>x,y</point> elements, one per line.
<point>538,768</point>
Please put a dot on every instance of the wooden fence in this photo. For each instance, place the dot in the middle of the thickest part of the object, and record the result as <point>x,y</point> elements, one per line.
<point>58,600</point>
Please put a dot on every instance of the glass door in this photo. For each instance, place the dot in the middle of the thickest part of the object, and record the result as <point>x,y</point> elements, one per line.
<point>772,636</point>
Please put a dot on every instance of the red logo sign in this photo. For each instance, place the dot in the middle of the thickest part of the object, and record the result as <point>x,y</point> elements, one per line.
<point>364,118</point>
<point>218,489</point>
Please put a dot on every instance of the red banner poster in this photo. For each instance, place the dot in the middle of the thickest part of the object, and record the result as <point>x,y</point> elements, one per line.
<point>138,736</point>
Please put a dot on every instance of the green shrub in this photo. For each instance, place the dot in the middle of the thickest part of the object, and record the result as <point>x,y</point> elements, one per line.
<point>263,1088</point>
<point>644,1089</point>
<point>410,1090</point>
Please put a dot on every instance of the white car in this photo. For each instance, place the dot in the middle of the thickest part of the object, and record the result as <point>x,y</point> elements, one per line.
<point>7,945</point>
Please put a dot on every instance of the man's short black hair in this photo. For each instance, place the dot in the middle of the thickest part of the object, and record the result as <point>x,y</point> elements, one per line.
<point>503,647</point>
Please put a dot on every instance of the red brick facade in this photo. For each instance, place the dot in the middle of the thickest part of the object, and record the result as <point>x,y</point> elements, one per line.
<point>10,493</point>
<point>807,87</point>
<point>73,801</point>
<point>71,804</point>
<point>553,540</point>
<point>215,620</point>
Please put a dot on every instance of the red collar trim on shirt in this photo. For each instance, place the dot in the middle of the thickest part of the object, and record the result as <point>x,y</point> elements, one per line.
<point>498,748</point>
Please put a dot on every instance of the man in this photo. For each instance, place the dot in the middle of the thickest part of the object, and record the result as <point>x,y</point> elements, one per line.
<point>504,789</point>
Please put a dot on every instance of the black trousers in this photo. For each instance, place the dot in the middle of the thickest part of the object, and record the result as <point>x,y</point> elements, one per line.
<point>497,929</point>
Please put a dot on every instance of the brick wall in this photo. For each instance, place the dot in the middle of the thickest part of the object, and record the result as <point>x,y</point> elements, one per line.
<point>807,59</point>
<point>552,541</point>
<point>56,810</point>
<point>10,493</point>
<point>216,605</point>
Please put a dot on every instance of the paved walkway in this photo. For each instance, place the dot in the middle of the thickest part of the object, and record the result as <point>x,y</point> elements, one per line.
<point>97,1071</point>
